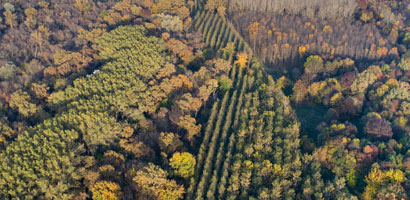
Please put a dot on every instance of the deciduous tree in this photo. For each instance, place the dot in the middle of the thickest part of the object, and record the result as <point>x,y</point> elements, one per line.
<point>242,59</point>
<point>20,101</point>
<point>106,190</point>
<point>189,124</point>
<point>169,142</point>
<point>225,83</point>
<point>183,164</point>
<point>313,64</point>
<point>153,182</point>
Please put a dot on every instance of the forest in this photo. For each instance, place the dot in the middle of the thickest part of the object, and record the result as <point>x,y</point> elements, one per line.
<point>205,99</point>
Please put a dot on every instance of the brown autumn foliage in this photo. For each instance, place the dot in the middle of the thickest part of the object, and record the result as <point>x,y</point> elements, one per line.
<point>281,39</point>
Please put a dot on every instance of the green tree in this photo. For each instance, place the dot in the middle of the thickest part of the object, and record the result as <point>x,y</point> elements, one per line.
<point>20,101</point>
<point>225,83</point>
<point>405,62</point>
<point>8,71</point>
<point>6,131</point>
<point>183,164</point>
<point>47,168</point>
<point>96,128</point>
<point>50,162</point>
<point>313,64</point>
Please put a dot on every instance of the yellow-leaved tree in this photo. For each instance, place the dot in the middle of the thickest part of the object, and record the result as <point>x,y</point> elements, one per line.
<point>242,59</point>
<point>183,164</point>
<point>106,190</point>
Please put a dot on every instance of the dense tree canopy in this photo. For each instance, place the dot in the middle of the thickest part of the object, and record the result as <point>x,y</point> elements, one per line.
<point>204,99</point>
